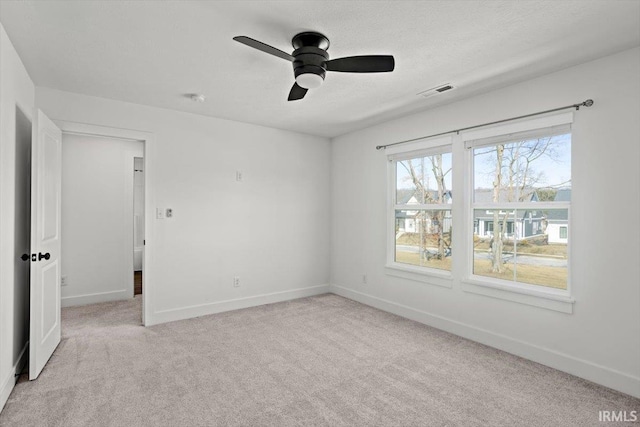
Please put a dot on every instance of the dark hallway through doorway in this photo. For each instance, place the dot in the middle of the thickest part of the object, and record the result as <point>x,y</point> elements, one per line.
<point>137,282</point>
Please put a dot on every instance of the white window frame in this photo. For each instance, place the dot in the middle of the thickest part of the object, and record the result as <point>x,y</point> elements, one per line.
<point>425,147</point>
<point>536,295</point>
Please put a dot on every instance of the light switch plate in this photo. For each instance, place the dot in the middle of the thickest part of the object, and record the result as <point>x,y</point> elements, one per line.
<point>159,213</point>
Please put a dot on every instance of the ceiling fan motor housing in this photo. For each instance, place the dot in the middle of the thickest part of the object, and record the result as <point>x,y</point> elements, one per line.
<point>310,60</point>
<point>310,54</point>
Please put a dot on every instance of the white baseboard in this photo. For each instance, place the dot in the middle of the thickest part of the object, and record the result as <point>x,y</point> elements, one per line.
<point>234,304</point>
<point>10,381</point>
<point>607,377</point>
<point>96,298</point>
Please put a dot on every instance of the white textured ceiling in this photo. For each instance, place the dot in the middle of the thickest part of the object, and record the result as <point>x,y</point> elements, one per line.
<point>155,52</point>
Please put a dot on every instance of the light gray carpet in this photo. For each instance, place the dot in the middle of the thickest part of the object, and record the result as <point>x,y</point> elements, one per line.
<point>323,360</point>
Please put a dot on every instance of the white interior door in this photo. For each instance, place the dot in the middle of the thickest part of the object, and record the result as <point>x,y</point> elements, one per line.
<point>46,168</point>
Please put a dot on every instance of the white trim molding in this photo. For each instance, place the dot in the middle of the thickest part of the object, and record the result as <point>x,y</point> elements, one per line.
<point>517,292</point>
<point>10,381</point>
<point>524,125</point>
<point>427,275</point>
<point>148,139</point>
<point>121,294</point>
<point>599,374</point>
<point>234,304</point>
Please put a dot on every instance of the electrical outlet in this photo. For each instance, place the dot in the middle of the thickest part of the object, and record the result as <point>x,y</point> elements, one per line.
<point>169,213</point>
<point>238,175</point>
<point>63,281</point>
<point>364,279</point>
<point>236,282</point>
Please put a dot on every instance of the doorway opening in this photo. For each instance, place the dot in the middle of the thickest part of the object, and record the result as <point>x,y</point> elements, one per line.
<point>102,220</point>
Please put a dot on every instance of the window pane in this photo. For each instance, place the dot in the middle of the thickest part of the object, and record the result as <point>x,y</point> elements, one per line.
<point>522,246</point>
<point>424,180</point>
<point>563,233</point>
<point>524,171</point>
<point>423,238</point>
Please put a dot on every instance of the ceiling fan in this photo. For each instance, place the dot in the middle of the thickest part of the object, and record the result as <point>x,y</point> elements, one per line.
<point>311,61</point>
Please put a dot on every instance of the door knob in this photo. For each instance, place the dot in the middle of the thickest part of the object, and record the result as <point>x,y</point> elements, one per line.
<point>45,256</point>
<point>25,257</point>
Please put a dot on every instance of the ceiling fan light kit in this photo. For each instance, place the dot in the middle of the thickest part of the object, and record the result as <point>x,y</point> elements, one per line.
<point>311,61</point>
<point>309,80</point>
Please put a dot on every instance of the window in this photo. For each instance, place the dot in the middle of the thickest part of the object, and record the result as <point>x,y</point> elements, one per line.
<point>563,232</point>
<point>421,210</point>
<point>520,207</point>
<point>504,217</point>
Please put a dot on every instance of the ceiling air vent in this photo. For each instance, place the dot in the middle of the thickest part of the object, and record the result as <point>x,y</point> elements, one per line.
<point>444,88</point>
<point>436,90</point>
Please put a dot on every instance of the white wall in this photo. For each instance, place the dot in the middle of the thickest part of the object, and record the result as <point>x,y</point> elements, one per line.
<point>16,90</point>
<point>600,341</point>
<point>97,218</point>
<point>271,229</point>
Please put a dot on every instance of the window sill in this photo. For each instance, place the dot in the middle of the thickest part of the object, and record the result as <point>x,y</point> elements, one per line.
<point>556,301</point>
<point>420,274</point>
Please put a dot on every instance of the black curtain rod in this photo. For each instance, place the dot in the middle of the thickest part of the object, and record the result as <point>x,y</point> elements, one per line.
<point>587,103</point>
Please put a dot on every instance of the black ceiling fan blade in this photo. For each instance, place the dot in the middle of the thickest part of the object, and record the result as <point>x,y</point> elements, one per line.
<point>297,92</point>
<point>263,47</point>
<point>362,64</point>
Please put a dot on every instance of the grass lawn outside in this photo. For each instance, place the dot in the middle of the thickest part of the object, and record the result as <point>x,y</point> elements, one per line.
<point>523,248</point>
<point>414,259</point>
<point>552,277</point>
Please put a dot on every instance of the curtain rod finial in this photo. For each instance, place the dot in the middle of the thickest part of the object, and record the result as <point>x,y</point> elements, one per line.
<point>379,147</point>
<point>587,103</point>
